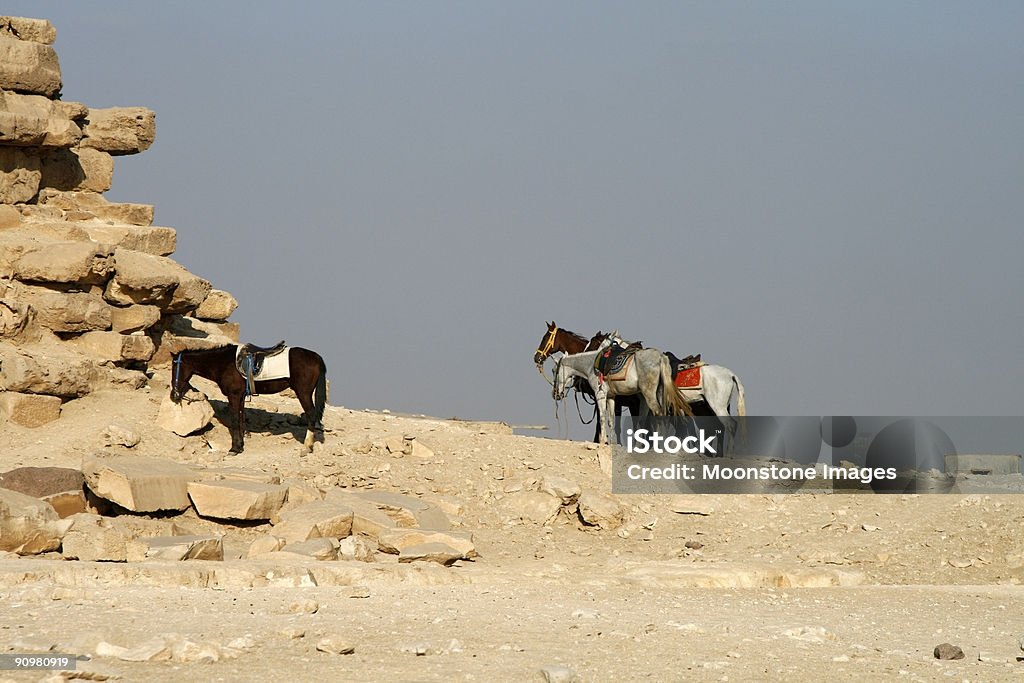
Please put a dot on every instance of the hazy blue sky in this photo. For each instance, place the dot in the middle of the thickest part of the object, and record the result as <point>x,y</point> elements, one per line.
<point>826,197</point>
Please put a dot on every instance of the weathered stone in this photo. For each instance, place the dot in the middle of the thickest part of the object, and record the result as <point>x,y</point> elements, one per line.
<point>335,645</point>
<point>431,552</point>
<point>66,311</point>
<point>321,549</point>
<point>948,651</point>
<point>396,541</point>
<point>28,526</point>
<point>24,28</point>
<point>57,374</point>
<point>28,67</point>
<point>29,410</point>
<point>179,548</point>
<point>135,318</point>
<point>218,306</point>
<point>42,481</point>
<point>152,240</point>
<point>144,278</point>
<point>357,548</point>
<point>36,121</point>
<point>10,217</point>
<point>189,334</point>
<point>567,491</point>
<point>67,503</point>
<point>15,321</point>
<point>228,499</point>
<point>92,538</point>
<point>81,262</point>
<point>601,510</point>
<point>263,545</point>
<point>97,206</point>
<point>120,435</point>
<point>557,673</point>
<point>408,445</point>
<point>400,509</point>
<point>139,484</point>
<point>190,415</point>
<point>21,173</point>
<point>120,130</point>
<point>535,507</point>
<point>116,347</point>
<point>319,519</point>
<point>77,169</point>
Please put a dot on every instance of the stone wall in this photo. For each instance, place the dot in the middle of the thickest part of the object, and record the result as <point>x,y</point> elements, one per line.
<point>88,296</point>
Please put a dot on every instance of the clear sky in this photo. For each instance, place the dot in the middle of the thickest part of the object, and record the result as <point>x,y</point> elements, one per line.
<point>826,197</point>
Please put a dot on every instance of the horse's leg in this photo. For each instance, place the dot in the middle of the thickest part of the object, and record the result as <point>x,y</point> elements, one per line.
<point>236,406</point>
<point>306,400</point>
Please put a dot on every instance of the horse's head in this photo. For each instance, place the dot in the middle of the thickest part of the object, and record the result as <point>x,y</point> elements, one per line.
<point>563,380</point>
<point>547,344</point>
<point>595,341</point>
<point>180,377</point>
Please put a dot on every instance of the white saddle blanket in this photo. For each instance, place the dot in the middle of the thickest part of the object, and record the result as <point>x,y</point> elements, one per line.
<point>274,367</point>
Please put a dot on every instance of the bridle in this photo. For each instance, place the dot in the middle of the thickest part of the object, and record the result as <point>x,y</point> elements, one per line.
<point>544,352</point>
<point>176,376</point>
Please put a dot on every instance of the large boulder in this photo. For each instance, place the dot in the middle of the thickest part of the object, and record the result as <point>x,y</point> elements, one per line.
<point>77,169</point>
<point>28,67</point>
<point>66,311</point>
<point>28,526</point>
<point>147,239</point>
<point>148,279</point>
<point>192,414</point>
<point>36,121</point>
<point>78,262</point>
<point>120,130</point>
<point>318,519</point>
<point>95,205</point>
<point>139,484</point>
<point>227,499</point>
<point>21,172</point>
<point>112,346</point>
<point>28,410</point>
<point>36,370</point>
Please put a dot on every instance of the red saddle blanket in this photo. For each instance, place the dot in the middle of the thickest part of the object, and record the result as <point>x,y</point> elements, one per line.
<point>689,378</point>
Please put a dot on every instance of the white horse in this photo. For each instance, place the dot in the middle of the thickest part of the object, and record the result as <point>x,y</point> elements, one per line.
<point>650,374</point>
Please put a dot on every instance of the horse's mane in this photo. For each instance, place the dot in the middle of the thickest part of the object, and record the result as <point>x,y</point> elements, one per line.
<point>579,337</point>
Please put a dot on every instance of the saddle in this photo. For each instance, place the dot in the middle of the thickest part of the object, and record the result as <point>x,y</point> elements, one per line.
<point>249,360</point>
<point>614,360</point>
<point>680,366</point>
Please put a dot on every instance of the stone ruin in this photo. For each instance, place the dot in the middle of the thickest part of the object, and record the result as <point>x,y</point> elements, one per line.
<point>88,296</point>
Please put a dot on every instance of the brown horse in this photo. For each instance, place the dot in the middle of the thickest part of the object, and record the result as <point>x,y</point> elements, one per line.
<point>556,339</point>
<point>308,379</point>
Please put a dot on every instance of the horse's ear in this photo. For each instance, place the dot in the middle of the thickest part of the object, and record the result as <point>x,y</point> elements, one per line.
<point>551,325</point>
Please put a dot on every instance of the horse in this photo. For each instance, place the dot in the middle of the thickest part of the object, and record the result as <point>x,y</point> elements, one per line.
<point>557,340</point>
<point>307,378</point>
<point>650,374</point>
<point>717,386</point>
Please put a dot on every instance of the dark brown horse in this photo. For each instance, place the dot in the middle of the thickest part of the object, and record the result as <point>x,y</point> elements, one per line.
<point>308,379</point>
<point>556,339</point>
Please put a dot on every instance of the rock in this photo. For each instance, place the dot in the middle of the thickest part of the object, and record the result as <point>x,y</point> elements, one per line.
<point>601,510</point>
<point>179,548</point>
<point>155,241</point>
<point>55,374</point>
<point>321,549</point>
<point>112,346</point>
<point>304,607</point>
<point>135,318</point>
<point>368,518</point>
<point>92,538</point>
<point>80,262</point>
<point>77,169</point>
<point>229,499</point>
<point>148,279</point>
<point>556,673</point>
<point>119,435</point>
<point>396,541</point>
<point>407,445</point>
<point>66,311</point>
<point>948,651</point>
<point>432,552</point>
<point>120,130</point>
<point>398,510</point>
<point>61,487</point>
<point>691,504</point>
<point>29,410</point>
<point>97,206</point>
<point>20,175</point>
<point>264,544</point>
<point>139,484</point>
<point>192,414</point>
<point>318,519</point>
<point>37,121</point>
<point>28,526</point>
<point>23,28</point>
<point>535,507</point>
<point>9,217</point>
<point>15,317</point>
<point>335,645</point>
<point>218,306</point>
<point>567,491</point>
<point>28,67</point>
<point>357,548</point>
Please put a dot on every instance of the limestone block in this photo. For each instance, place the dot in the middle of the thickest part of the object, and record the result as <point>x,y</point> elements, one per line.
<point>134,318</point>
<point>368,518</point>
<point>54,374</point>
<point>28,67</point>
<point>147,279</point>
<point>83,262</point>
<point>180,548</point>
<point>601,510</point>
<point>10,217</point>
<point>535,507</point>
<point>120,130</point>
<point>398,540</point>
<point>36,121</point>
<point>99,207</point>
<point>357,548</point>
<point>321,549</point>
<point>116,347</point>
<point>24,28</point>
<point>28,410</point>
<point>403,510</point>
<point>146,239</point>
<point>567,491</point>
<point>28,526</point>
<point>264,544</point>
<point>184,333</point>
<point>218,305</point>
<point>227,499</point>
<point>139,484</point>
<point>318,519</point>
<point>189,416</point>
<point>66,311</point>
<point>92,538</point>
<point>15,317</point>
<point>431,552</point>
<point>77,170</point>
<point>21,173</point>
<point>39,482</point>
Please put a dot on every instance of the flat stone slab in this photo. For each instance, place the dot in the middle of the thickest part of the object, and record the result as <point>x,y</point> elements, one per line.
<point>317,519</point>
<point>398,541</point>
<point>28,526</point>
<point>672,575</point>
<point>140,484</point>
<point>230,499</point>
<point>180,548</point>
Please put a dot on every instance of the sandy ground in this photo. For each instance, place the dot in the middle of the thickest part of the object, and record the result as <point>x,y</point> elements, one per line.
<point>748,600</point>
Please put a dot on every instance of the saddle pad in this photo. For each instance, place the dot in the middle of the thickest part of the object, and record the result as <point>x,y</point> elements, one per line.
<point>274,367</point>
<point>620,368</point>
<point>689,378</point>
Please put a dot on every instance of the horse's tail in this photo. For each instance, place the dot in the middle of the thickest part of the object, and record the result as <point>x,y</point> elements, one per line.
<point>320,395</point>
<point>668,395</point>
<point>741,406</point>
